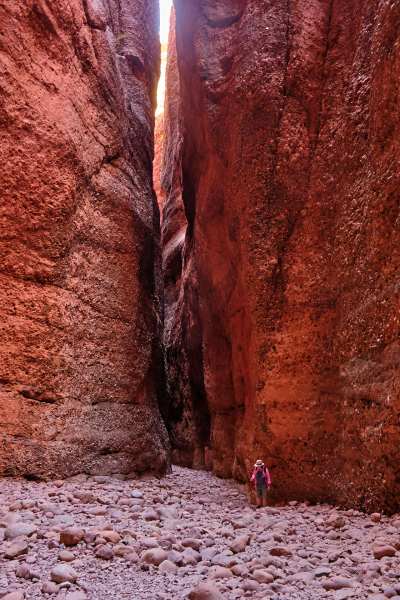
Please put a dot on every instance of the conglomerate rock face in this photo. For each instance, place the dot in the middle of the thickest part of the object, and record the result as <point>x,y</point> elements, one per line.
<point>79,272</point>
<point>289,163</point>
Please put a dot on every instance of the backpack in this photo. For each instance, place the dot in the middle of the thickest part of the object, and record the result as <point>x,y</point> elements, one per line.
<point>260,477</point>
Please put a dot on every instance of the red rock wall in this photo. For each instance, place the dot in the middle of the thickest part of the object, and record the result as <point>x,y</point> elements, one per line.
<point>290,176</point>
<point>80,361</point>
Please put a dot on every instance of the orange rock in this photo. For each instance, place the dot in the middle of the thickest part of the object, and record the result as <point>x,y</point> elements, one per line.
<point>72,536</point>
<point>80,367</point>
<point>284,329</point>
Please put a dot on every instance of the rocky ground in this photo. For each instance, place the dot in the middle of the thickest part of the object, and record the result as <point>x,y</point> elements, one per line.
<point>189,535</point>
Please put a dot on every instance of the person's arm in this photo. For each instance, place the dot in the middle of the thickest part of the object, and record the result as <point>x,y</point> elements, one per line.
<point>268,477</point>
<point>253,476</point>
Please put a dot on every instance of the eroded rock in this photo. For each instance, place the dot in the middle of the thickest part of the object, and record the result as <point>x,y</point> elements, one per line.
<point>281,171</point>
<point>80,358</point>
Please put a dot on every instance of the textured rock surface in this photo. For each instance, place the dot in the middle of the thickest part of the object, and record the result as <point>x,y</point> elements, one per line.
<point>158,151</point>
<point>290,178</point>
<point>79,287</point>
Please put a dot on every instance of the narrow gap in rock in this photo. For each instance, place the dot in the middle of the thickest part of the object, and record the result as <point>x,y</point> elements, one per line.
<point>165,16</point>
<point>185,410</point>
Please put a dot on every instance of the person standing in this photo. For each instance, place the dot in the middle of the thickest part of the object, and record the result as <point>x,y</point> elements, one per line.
<point>262,482</point>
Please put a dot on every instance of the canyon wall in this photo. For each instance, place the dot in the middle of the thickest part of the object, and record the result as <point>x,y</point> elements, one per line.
<point>81,317</point>
<point>287,301</point>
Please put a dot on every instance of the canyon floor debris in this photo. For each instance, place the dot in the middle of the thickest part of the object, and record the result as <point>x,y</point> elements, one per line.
<point>188,535</point>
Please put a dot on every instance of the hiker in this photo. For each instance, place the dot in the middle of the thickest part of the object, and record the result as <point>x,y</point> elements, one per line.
<point>262,482</point>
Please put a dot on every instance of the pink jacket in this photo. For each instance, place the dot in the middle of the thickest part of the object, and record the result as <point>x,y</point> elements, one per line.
<point>267,476</point>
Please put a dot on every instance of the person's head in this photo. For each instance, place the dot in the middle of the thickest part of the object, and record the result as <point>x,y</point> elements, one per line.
<point>259,464</point>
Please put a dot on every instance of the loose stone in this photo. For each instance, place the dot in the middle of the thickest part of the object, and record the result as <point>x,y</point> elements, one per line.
<point>63,573</point>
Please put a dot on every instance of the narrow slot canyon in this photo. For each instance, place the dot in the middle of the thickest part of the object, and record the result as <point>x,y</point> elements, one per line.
<point>199,267</point>
<point>187,412</point>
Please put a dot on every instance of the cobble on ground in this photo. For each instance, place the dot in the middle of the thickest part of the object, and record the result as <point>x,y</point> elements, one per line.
<point>104,538</point>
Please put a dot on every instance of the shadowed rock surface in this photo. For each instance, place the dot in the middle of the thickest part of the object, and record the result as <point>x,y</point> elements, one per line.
<point>80,359</point>
<point>290,177</point>
<point>187,413</point>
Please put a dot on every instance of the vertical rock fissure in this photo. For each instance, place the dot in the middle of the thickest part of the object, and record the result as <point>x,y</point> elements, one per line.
<point>187,413</point>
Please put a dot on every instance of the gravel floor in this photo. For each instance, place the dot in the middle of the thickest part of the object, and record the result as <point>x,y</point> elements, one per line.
<point>158,539</point>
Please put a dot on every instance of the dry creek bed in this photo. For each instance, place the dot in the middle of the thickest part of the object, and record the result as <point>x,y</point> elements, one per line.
<point>188,535</point>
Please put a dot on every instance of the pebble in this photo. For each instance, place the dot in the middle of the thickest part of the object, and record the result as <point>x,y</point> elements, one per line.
<point>150,515</point>
<point>336,521</point>
<point>239,544</point>
<point>218,572</point>
<point>344,594</point>
<point>190,556</point>
<point>71,536</point>
<point>154,556</point>
<point>167,566</point>
<point>194,534</point>
<point>110,536</point>
<point>63,573</point>
<point>191,543</point>
<point>250,585</point>
<point>322,572</point>
<point>14,596</point>
<point>205,591</point>
<point>66,556</point>
<point>337,583</point>
<point>16,549</point>
<point>137,494</point>
<point>24,572</point>
<point>263,576</point>
<point>49,587</point>
<point>380,551</point>
<point>280,551</point>
<point>19,530</point>
<point>104,552</point>
<point>376,517</point>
